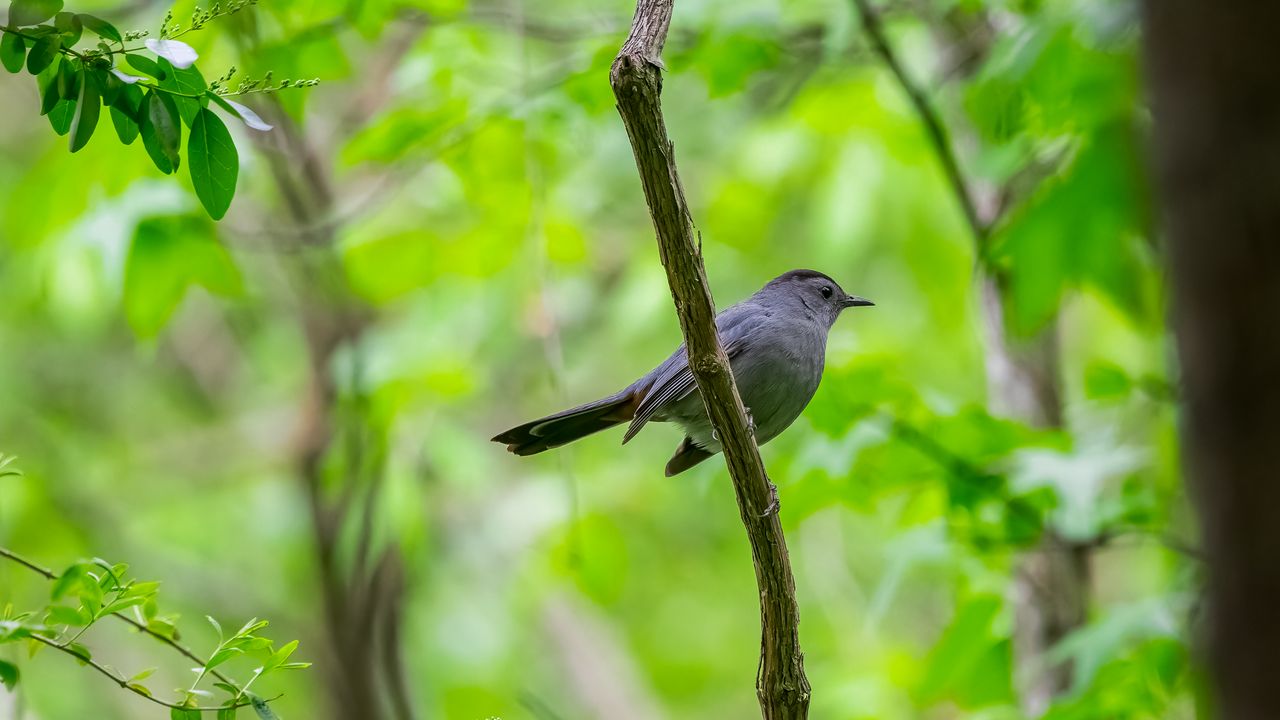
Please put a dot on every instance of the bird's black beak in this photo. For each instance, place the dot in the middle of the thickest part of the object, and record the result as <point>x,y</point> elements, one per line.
<point>855,301</point>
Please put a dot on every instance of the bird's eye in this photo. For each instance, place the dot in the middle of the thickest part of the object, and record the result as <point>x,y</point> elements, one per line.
<point>826,291</point>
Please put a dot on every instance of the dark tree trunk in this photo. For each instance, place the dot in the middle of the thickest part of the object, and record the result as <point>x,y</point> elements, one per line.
<point>1215,78</point>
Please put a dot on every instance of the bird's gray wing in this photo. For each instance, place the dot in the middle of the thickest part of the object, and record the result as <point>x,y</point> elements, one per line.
<point>673,381</point>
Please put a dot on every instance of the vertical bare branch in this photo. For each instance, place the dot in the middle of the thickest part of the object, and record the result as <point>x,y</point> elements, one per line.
<point>781,685</point>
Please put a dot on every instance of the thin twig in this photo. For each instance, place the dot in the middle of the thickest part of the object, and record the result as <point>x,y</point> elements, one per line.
<point>933,125</point>
<point>125,684</point>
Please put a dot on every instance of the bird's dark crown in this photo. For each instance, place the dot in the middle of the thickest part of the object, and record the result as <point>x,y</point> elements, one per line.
<point>801,275</point>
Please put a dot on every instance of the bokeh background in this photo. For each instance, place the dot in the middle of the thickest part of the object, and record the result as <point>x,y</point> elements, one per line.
<point>286,414</point>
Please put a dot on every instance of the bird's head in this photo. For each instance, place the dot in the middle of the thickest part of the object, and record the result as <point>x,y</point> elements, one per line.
<point>822,296</point>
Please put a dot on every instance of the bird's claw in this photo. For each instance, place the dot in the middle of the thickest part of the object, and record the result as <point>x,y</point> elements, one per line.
<point>774,503</point>
<point>751,423</point>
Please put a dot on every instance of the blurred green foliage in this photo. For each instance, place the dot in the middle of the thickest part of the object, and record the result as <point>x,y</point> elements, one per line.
<point>471,210</point>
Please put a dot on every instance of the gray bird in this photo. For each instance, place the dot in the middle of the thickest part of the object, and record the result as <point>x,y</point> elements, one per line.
<point>776,341</point>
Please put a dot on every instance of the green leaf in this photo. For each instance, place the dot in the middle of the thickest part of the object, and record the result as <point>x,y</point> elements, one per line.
<point>1106,381</point>
<point>188,81</point>
<point>124,113</point>
<point>161,133</point>
<point>145,65</point>
<point>251,627</point>
<point>13,52</point>
<point>142,675</point>
<point>184,714</point>
<point>216,626</point>
<point>222,656</point>
<point>100,27</point>
<point>142,590</point>
<point>227,713</point>
<point>971,663</point>
<point>32,12</point>
<point>138,687</point>
<point>279,657</point>
<point>8,674</point>
<point>168,255</point>
<point>214,163</point>
<point>69,26</point>
<point>63,615</point>
<point>163,627</point>
<point>67,581</point>
<point>264,711</point>
<point>43,53</point>
<point>87,110</point>
<point>81,652</point>
<point>68,80</point>
<point>123,603</point>
<point>91,597</point>
<point>48,81</point>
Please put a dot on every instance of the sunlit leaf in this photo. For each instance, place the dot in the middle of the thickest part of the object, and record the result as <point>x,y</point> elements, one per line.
<point>247,115</point>
<point>178,53</point>
<point>188,86</point>
<point>68,581</point>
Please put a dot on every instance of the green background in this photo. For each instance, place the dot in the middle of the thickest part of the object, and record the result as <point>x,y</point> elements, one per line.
<point>486,220</point>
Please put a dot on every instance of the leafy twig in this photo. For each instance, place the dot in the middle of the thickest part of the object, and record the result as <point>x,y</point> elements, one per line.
<point>141,627</point>
<point>125,684</point>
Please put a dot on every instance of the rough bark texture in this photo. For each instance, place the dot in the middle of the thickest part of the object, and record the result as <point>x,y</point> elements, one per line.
<point>1216,101</point>
<point>781,685</point>
<point>1050,589</point>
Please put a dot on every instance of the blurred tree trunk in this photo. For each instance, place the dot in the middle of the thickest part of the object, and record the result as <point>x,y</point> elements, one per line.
<point>338,455</point>
<point>1051,583</point>
<point>1216,101</point>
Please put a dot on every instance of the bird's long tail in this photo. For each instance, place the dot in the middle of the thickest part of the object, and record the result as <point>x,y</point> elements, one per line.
<point>569,425</point>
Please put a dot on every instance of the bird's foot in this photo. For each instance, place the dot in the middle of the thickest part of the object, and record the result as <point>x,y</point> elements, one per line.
<point>751,423</point>
<point>774,503</point>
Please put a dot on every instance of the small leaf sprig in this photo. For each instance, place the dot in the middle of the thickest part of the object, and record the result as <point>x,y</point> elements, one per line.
<point>201,17</point>
<point>98,589</point>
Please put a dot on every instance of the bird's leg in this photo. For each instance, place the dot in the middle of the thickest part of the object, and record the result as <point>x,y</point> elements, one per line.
<point>774,502</point>
<point>751,422</point>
